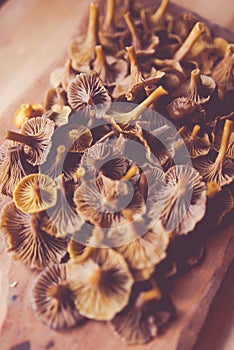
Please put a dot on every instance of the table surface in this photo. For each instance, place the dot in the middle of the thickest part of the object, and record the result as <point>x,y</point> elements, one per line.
<point>27,51</point>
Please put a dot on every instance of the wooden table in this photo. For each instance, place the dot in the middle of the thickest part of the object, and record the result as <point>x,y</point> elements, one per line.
<point>34,35</point>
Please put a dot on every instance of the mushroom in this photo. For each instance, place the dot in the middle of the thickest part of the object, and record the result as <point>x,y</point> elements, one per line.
<point>223,72</point>
<point>54,96</point>
<point>186,110</point>
<point>218,140</point>
<point>219,169</point>
<point>182,198</point>
<point>25,112</point>
<point>60,114</point>
<point>53,299</point>
<point>141,246</point>
<point>158,19</point>
<point>35,193</point>
<point>102,283</point>
<point>82,53</point>
<point>125,118</point>
<point>197,145</point>
<point>35,136</point>
<point>102,200</point>
<point>62,216</point>
<point>219,203</point>
<point>182,24</point>
<point>143,318</point>
<point>109,69</point>
<point>86,91</point>
<point>80,139</point>
<point>27,242</point>
<point>13,167</point>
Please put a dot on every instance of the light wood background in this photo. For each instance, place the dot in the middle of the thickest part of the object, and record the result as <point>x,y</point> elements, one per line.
<point>33,34</point>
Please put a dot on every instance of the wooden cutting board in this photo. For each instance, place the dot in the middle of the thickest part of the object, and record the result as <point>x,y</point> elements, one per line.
<point>192,293</point>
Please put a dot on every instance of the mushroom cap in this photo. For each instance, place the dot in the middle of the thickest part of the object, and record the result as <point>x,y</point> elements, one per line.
<point>198,146</point>
<point>27,242</point>
<point>182,198</point>
<point>25,112</point>
<point>141,247</point>
<point>80,138</point>
<point>60,114</point>
<point>102,284</point>
<point>53,300</point>
<point>86,91</point>
<point>35,193</point>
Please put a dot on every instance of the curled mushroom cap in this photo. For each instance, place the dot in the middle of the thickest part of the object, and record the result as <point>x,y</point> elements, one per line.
<point>102,284</point>
<point>54,96</point>
<point>60,114</point>
<point>219,169</point>
<point>197,145</point>
<point>82,53</point>
<point>13,166</point>
<point>141,247</point>
<point>35,193</point>
<point>182,198</point>
<point>27,242</point>
<point>36,136</point>
<point>102,200</point>
<point>53,299</point>
<point>25,112</point>
<point>223,72</point>
<point>86,91</point>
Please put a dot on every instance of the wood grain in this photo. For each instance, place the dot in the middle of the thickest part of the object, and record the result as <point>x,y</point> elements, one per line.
<point>192,293</point>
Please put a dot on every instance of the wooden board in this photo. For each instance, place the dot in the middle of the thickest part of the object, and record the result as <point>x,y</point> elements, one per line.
<point>192,294</point>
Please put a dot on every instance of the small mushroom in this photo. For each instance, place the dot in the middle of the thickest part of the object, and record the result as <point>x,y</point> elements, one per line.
<point>25,112</point>
<point>223,72</point>
<point>219,169</point>
<point>35,193</point>
<point>109,69</point>
<point>82,53</point>
<point>182,108</point>
<point>102,283</point>
<point>86,91</point>
<point>55,96</point>
<point>125,118</point>
<point>27,242</point>
<point>62,216</point>
<point>53,299</point>
<point>35,136</point>
<point>80,139</point>
<point>142,319</point>
<point>60,114</point>
<point>13,167</point>
<point>197,145</point>
<point>218,140</point>
<point>182,198</point>
<point>141,247</point>
<point>102,200</point>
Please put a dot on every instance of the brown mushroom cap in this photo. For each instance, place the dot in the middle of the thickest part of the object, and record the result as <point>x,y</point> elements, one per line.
<point>53,299</point>
<point>196,145</point>
<point>102,284</point>
<point>27,242</point>
<point>35,193</point>
<point>25,112</point>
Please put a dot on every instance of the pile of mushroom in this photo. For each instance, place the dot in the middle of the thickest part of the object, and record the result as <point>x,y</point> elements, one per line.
<point>109,224</point>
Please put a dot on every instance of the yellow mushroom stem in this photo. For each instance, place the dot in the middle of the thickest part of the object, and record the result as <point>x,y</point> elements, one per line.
<point>79,175</point>
<point>131,26</point>
<point>93,24</point>
<point>136,74</point>
<point>195,79</point>
<point>212,189</point>
<point>95,276</point>
<point>132,55</point>
<point>106,137</point>
<point>160,12</point>
<point>100,56</point>
<point>130,173</point>
<point>195,132</point>
<point>21,138</point>
<point>150,295</point>
<point>195,33</point>
<point>110,7</point>
<point>227,131</point>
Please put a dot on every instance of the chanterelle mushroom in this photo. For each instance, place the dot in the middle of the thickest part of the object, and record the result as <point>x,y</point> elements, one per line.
<point>35,193</point>
<point>102,283</point>
<point>53,299</point>
<point>29,243</point>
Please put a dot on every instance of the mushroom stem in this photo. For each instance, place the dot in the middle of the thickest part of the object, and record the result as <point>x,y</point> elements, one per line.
<point>60,153</point>
<point>110,7</point>
<point>132,55</point>
<point>21,138</point>
<point>195,80</point>
<point>131,26</point>
<point>227,131</point>
<point>195,132</point>
<point>100,56</point>
<point>146,297</point>
<point>135,70</point>
<point>212,189</point>
<point>195,33</point>
<point>106,137</point>
<point>160,12</point>
<point>130,173</point>
<point>79,175</point>
<point>93,24</point>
